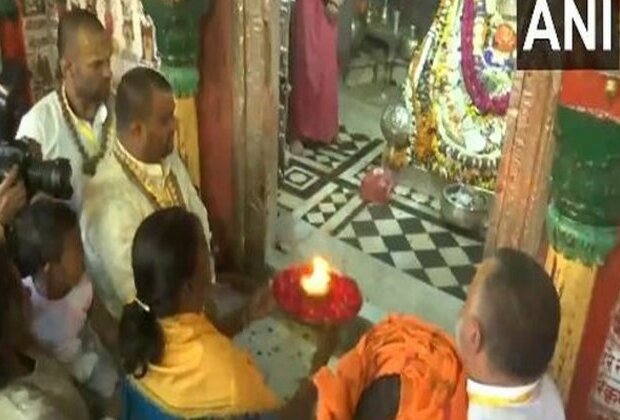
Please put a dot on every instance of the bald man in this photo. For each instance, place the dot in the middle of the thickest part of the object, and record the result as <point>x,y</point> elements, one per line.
<point>506,337</point>
<point>74,122</point>
<point>141,174</point>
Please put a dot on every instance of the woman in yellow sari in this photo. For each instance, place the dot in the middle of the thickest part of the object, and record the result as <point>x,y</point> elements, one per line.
<point>178,364</point>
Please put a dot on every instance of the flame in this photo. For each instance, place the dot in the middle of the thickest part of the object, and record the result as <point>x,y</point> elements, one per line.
<point>317,284</point>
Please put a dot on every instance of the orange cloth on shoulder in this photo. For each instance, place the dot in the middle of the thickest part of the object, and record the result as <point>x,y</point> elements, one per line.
<point>431,373</point>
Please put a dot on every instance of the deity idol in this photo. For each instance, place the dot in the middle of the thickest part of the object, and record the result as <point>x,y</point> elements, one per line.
<point>459,87</point>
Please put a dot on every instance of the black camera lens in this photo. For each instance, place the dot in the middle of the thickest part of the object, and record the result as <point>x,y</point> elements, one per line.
<point>53,177</point>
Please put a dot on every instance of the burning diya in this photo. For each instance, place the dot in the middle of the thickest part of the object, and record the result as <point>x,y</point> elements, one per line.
<point>317,294</point>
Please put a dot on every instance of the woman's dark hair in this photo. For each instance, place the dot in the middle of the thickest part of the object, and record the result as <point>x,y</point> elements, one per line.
<point>164,257</point>
<point>38,233</point>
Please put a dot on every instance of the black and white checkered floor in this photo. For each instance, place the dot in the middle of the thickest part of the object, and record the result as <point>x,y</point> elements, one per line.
<point>322,188</point>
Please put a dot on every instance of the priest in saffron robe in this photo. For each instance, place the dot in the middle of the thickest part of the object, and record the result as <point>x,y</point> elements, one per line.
<point>141,174</point>
<point>314,95</point>
<point>401,369</point>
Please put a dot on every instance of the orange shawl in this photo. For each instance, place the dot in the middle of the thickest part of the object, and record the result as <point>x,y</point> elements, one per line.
<point>432,376</point>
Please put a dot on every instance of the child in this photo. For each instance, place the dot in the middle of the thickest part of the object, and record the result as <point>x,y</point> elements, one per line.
<point>47,248</point>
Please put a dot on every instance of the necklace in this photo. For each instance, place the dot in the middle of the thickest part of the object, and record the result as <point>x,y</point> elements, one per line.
<point>89,165</point>
<point>139,179</point>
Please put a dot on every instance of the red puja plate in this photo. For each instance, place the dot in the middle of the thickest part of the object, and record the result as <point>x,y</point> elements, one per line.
<point>340,304</point>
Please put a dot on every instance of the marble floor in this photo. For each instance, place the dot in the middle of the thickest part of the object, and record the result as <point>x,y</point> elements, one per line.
<point>402,255</point>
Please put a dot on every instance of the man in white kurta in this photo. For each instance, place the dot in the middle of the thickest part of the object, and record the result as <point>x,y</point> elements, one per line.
<point>506,336</point>
<point>74,122</point>
<point>141,174</point>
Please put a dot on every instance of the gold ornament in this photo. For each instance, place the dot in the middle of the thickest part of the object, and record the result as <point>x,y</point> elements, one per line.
<point>611,88</point>
<point>397,159</point>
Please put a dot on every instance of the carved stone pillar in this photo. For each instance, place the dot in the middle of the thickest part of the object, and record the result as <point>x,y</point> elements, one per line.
<point>256,144</point>
<point>178,41</point>
<point>518,216</point>
<point>239,127</point>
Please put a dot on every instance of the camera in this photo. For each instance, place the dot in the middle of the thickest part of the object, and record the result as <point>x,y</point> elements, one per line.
<point>52,177</point>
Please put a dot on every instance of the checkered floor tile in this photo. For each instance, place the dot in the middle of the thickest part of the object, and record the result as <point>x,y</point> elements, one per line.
<point>426,250</point>
<point>328,207</point>
<point>401,235</point>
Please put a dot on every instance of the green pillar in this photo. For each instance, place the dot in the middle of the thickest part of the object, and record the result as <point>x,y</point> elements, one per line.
<point>583,217</point>
<point>178,40</point>
<point>8,9</point>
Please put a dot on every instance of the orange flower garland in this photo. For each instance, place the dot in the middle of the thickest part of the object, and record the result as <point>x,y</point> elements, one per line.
<point>505,39</point>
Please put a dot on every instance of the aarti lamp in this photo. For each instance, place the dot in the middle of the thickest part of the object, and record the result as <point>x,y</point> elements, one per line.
<point>317,294</point>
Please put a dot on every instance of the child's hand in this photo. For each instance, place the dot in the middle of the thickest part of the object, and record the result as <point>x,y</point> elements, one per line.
<point>104,325</point>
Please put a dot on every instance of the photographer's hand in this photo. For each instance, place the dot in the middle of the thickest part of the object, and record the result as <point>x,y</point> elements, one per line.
<point>12,196</point>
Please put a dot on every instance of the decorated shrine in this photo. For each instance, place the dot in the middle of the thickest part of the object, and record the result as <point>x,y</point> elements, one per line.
<point>458,90</point>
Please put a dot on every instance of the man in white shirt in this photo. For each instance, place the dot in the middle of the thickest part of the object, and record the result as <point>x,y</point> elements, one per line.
<point>142,173</point>
<point>73,122</point>
<point>506,337</point>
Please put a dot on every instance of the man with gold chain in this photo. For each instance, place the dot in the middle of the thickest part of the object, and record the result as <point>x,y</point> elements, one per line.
<point>141,174</point>
<point>74,122</point>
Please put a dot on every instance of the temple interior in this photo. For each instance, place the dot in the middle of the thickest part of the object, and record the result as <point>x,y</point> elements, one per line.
<point>429,106</point>
<point>405,254</point>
